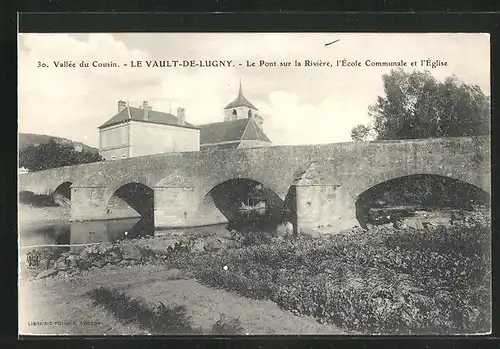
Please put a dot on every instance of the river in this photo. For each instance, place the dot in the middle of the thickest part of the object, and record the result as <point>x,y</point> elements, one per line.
<point>40,226</point>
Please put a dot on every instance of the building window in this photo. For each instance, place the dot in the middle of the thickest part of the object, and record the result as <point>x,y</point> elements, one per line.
<point>103,158</point>
<point>124,156</point>
<point>113,157</point>
<point>249,114</point>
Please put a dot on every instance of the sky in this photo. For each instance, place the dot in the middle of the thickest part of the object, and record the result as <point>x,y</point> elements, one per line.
<point>300,105</point>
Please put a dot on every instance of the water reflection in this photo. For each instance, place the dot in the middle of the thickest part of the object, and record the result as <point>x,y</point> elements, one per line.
<point>65,233</point>
<point>78,233</point>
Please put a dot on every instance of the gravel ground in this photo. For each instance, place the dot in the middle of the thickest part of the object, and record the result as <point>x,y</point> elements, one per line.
<point>63,304</point>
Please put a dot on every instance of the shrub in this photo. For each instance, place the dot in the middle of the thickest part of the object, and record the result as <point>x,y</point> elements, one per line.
<point>434,280</point>
<point>160,320</point>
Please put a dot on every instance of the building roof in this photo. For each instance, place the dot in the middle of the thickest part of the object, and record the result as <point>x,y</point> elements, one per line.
<point>137,114</point>
<point>230,131</point>
<point>240,101</point>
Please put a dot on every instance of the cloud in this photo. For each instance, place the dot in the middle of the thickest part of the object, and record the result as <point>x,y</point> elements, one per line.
<point>290,121</point>
<point>72,102</point>
<point>300,105</point>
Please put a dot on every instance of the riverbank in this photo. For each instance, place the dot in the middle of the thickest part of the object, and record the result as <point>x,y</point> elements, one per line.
<point>388,279</point>
<point>62,305</point>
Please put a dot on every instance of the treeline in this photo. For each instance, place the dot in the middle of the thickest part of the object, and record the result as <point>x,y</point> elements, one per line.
<point>53,154</point>
<point>416,105</point>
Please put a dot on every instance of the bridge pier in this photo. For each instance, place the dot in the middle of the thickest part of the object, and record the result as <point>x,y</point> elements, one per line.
<point>89,203</point>
<point>327,205</point>
<point>175,207</point>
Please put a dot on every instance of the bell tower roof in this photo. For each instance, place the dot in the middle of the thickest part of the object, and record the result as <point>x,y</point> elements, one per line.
<point>240,101</point>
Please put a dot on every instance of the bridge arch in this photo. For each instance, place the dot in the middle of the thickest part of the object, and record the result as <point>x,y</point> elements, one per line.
<point>62,194</point>
<point>229,198</point>
<point>55,194</point>
<point>208,186</point>
<point>64,189</point>
<point>137,195</point>
<point>133,201</point>
<point>472,177</point>
<point>400,196</point>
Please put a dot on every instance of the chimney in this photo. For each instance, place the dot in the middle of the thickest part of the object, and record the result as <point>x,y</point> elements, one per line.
<point>145,109</point>
<point>181,116</point>
<point>121,105</point>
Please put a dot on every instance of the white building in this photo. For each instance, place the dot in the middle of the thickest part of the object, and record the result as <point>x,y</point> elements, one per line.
<point>143,131</point>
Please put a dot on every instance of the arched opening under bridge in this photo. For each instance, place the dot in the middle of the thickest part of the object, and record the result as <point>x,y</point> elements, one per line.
<point>134,204</point>
<point>437,198</point>
<point>245,204</point>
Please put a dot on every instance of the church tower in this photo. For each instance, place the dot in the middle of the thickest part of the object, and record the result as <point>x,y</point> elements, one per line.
<point>241,108</point>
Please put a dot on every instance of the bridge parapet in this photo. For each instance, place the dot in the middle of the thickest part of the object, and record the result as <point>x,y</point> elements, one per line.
<point>326,173</point>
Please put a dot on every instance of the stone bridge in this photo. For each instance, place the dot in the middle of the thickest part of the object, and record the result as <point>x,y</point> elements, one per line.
<point>318,182</point>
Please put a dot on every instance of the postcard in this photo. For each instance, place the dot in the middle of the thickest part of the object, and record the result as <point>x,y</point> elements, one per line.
<point>254,184</point>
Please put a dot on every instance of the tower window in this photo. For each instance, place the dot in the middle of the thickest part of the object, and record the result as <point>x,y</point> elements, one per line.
<point>249,114</point>
<point>234,112</point>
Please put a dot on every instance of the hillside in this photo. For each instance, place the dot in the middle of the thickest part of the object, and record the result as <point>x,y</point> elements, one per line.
<point>26,139</point>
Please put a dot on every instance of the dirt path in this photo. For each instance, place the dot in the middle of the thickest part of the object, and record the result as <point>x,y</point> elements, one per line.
<point>63,302</point>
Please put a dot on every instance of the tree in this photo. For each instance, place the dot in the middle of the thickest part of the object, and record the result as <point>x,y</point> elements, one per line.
<point>53,154</point>
<point>416,105</point>
<point>361,132</point>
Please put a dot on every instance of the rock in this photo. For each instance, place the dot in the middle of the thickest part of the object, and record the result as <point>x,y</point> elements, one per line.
<point>98,264</point>
<point>51,265</point>
<point>213,244</point>
<point>83,264</point>
<point>43,264</point>
<point>414,223</point>
<point>72,260</point>
<point>101,249</point>
<point>223,233</point>
<point>199,245</point>
<point>158,250</point>
<point>60,259</point>
<point>130,251</point>
<point>61,265</point>
<point>170,243</point>
<point>85,254</point>
<point>113,257</point>
<point>123,263</point>
<point>46,273</point>
<point>184,240</point>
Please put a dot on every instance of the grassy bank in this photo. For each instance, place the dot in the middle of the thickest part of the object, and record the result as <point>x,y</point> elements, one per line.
<point>408,281</point>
